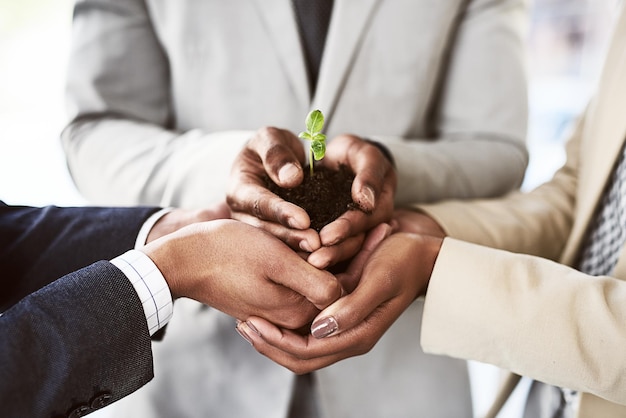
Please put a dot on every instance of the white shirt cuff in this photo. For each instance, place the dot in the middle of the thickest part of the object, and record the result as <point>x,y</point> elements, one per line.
<point>142,236</point>
<point>150,285</point>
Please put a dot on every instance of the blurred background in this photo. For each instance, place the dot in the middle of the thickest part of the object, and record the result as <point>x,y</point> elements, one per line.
<point>567,40</point>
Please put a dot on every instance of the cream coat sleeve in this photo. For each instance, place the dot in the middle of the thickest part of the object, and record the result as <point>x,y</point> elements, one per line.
<point>538,222</point>
<point>529,315</point>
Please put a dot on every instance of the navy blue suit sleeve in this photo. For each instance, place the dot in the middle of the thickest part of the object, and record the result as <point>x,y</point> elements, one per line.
<point>77,344</point>
<point>39,245</point>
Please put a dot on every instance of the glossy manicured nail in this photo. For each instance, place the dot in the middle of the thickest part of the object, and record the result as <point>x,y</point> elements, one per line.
<point>243,333</point>
<point>288,173</point>
<point>324,327</point>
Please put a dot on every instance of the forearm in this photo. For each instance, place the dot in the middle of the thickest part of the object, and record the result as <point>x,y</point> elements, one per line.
<point>121,142</point>
<point>429,171</point>
<point>81,337</point>
<point>528,315</point>
<point>39,245</point>
<point>121,161</point>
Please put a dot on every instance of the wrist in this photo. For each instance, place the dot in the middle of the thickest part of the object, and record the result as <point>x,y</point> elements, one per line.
<point>164,255</point>
<point>146,233</point>
<point>432,246</point>
<point>383,150</point>
<point>172,220</point>
<point>414,222</point>
<point>151,287</point>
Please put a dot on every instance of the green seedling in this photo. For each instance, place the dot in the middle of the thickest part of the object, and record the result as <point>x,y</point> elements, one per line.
<point>314,124</point>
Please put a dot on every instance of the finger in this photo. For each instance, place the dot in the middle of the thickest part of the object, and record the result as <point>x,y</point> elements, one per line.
<point>391,280</point>
<point>348,312</point>
<point>353,222</point>
<point>260,202</point>
<point>319,287</point>
<point>350,278</point>
<point>250,332</point>
<point>306,240</point>
<point>299,353</point>
<point>350,223</point>
<point>369,165</point>
<point>370,168</point>
<point>281,153</point>
<point>328,256</point>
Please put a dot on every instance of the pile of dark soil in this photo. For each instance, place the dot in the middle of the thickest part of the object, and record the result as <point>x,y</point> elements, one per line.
<point>325,196</point>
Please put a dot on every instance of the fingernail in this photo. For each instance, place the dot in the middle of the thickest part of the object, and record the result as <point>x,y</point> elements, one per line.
<point>368,196</point>
<point>253,328</point>
<point>243,334</point>
<point>288,173</point>
<point>324,327</point>
<point>295,224</point>
<point>305,246</point>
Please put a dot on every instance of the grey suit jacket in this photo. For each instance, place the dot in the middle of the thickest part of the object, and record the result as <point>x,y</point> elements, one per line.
<point>163,94</point>
<point>530,314</point>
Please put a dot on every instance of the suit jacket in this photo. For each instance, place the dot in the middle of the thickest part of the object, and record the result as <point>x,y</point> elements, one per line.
<point>162,95</point>
<point>528,313</point>
<point>73,340</point>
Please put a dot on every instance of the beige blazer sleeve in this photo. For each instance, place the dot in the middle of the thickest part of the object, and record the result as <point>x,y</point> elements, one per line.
<point>538,222</point>
<point>529,315</point>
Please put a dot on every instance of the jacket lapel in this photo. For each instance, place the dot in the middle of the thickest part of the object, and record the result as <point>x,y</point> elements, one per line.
<point>348,23</point>
<point>603,138</point>
<point>279,19</point>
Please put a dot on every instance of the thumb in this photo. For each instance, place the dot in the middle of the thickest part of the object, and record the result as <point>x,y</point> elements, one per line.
<point>350,278</point>
<point>348,311</point>
<point>281,153</point>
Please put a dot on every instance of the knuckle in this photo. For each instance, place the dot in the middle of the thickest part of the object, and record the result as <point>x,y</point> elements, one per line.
<point>268,131</point>
<point>328,293</point>
<point>256,208</point>
<point>232,201</point>
<point>276,154</point>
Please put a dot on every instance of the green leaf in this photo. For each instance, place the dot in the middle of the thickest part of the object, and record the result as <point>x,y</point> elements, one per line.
<point>319,149</point>
<point>305,135</point>
<point>319,137</point>
<point>315,121</point>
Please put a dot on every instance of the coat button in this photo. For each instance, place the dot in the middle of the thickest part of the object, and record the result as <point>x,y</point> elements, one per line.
<point>79,411</point>
<point>101,400</point>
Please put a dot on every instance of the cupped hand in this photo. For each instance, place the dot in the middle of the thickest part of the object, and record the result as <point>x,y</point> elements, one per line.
<point>393,276</point>
<point>279,154</point>
<point>373,189</point>
<point>243,271</point>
